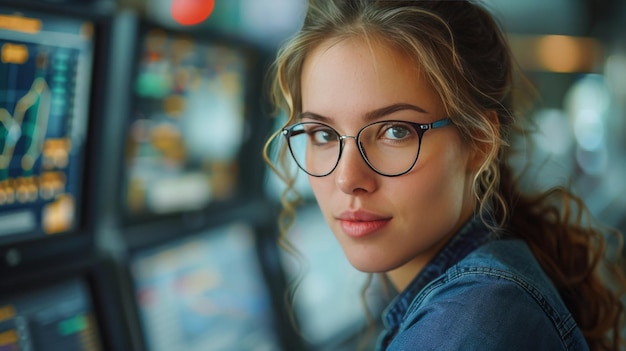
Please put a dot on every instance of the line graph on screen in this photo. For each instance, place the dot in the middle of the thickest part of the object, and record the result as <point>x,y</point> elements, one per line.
<point>37,93</point>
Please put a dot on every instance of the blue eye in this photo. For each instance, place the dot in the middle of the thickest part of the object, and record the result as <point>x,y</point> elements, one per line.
<point>397,131</point>
<point>321,135</point>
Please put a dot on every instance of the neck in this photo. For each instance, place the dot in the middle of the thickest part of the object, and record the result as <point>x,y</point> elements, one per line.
<point>402,276</point>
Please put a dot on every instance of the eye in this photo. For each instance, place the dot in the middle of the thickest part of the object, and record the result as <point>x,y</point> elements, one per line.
<point>321,135</point>
<point>397,131</point>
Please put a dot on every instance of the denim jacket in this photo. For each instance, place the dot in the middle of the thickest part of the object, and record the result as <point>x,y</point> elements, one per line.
<point>480,293</point>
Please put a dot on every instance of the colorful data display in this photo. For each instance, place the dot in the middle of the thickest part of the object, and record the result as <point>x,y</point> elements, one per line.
<point>205,292</point>
<point>57,317</point>
<point>45,79</point>
<point>187,124</point>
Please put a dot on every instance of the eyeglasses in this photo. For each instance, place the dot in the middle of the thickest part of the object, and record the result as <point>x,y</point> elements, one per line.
<point>389,148</point>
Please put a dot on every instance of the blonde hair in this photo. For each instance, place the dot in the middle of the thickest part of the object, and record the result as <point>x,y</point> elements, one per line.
<point>468,62</point>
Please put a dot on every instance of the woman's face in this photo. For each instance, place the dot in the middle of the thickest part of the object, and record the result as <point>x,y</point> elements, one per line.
<point>385,224</point>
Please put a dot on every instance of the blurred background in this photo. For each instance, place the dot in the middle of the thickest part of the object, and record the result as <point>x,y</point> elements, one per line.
<point>136,212</point>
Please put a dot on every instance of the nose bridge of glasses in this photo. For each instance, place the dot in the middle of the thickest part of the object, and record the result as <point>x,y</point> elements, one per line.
<point>344,137</point>
<point>358,145</point>
<point>356,139</point>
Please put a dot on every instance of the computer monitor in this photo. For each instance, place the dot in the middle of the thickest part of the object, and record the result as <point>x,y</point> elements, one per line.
<point>187,123</point>
<point>59,317</point>
<point>204,292</point>
<point>70,307</point>
<point>46,61</point>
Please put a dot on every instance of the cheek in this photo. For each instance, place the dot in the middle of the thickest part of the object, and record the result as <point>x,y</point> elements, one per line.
<point>449,156</point>
<point>442,183</point>
<point>322,188</point>
<point>453,167</point>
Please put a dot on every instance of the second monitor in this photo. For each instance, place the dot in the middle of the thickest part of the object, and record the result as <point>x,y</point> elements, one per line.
<point>187,123</point>
<point>205,292</point>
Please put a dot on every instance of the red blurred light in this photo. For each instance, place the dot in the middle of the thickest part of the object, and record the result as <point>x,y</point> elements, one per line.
<point>191,12</point>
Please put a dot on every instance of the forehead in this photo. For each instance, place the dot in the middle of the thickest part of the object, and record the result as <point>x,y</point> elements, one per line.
<point>356,75</point>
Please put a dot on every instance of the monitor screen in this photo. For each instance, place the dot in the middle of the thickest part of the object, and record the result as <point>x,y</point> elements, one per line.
<point>59,317</point>
<point>45,79</point>
<point>186,125</point>
<point>204,292</point>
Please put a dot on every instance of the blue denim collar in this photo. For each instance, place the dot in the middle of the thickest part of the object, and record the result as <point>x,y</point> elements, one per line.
<point>473,234</point>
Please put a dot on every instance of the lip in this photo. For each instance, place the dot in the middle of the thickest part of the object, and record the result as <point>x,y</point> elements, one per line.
<point>358,224</point>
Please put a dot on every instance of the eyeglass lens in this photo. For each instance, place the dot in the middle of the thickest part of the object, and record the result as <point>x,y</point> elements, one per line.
<point>389,147</point>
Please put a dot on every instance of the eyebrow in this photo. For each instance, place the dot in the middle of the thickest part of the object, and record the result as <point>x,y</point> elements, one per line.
<point>369,116</point>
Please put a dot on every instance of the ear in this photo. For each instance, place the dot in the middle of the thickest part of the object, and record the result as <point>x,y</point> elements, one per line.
<point>487,143</point>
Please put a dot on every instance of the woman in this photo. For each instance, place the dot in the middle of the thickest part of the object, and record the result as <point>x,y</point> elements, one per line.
<point>401,114</point>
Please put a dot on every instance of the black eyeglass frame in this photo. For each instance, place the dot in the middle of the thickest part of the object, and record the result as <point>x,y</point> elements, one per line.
<point>420,129</point>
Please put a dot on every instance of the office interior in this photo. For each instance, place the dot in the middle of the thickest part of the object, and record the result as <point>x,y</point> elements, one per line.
<point>136,211</point>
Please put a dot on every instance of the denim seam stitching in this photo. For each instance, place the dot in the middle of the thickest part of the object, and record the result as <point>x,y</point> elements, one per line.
<point>564,326</point>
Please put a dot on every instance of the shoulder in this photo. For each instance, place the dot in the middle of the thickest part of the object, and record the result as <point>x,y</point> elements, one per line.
<point>495,298</point>
<point>508,264</point>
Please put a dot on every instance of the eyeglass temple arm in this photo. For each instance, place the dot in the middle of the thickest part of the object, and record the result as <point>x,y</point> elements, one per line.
<point>436,124</point>
<point>291,132</point>
<point>440,123</point>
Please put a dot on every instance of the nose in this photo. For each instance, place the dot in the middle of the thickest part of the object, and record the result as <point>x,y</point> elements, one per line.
<point>353,175</point>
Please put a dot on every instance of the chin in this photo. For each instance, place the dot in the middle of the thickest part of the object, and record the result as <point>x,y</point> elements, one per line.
<point>369,264</point>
